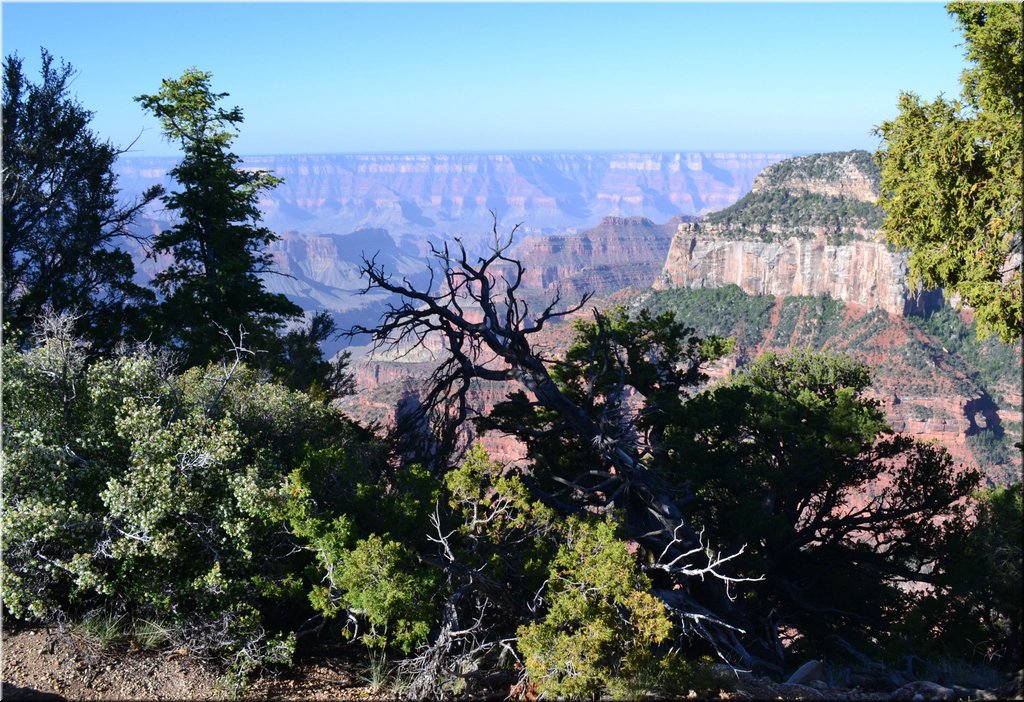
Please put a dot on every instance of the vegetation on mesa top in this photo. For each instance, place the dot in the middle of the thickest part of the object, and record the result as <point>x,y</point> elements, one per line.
<point>827,167</point>
<point>785,206</point>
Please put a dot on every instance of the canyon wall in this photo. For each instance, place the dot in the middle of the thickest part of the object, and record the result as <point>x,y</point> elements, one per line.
<point>809,226</point>
<point>620,252</point>
<point>861,272</point>
<point>453,194</point>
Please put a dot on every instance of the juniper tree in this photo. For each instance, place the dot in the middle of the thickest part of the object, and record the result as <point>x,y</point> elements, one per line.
<point>952,173</point>
<point>63,223</point>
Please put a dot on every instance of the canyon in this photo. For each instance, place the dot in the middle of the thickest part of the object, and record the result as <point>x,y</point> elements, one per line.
<point>798,262</point>
<point>417,196</point>
<point>333,210</point>
<point>777,252</point>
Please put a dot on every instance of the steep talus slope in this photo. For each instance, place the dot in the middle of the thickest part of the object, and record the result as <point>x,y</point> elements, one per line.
<point>934,379</point>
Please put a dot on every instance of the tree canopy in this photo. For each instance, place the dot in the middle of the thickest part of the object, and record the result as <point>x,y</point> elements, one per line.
<point>62,219</point>
<point>952,173</point>
<point>213,287</point>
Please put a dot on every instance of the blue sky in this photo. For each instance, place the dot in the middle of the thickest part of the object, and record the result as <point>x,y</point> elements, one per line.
<point>384,77</point>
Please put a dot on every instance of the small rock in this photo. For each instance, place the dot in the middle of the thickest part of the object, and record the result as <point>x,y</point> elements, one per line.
<point>807,673</point>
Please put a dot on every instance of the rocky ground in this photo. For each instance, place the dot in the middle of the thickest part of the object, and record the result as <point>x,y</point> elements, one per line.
<point>38,664</point>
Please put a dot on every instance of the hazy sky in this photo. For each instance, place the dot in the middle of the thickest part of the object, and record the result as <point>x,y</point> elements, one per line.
<point>338,77</point>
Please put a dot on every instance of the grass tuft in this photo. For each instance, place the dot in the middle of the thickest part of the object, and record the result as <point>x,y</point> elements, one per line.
<point>102,629</point>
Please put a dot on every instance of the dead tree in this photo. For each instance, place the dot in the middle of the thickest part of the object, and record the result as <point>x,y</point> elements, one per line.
<point>487,332</point>
<point>475,307</point>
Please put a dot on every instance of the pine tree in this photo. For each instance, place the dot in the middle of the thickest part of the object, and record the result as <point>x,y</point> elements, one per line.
<point>213,288</point>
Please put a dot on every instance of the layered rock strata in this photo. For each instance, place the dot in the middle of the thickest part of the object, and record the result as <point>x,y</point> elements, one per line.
<point>809,226</point>
<point>454,194</point>
<point>862,272</point>
<point>621,252</point>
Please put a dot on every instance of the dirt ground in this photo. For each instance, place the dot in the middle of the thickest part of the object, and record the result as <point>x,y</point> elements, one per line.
<point>74,669</point>
<point>40,664</point>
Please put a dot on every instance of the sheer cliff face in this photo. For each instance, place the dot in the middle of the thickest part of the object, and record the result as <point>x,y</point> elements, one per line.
<point>444,194</point>
<point>808,227</point>
<point>861,272</point>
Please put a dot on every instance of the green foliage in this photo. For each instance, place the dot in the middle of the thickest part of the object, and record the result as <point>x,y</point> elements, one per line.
<point>992,364</point>
<point>379,581</point>
<point>991,448</point>
<point>150,635</point>
<point>781,460</point>
<point>334,495</point>
<point>782,208</point>
<point>729,312</point>
<point>951,174</point>
<point>379,673</point>
<point>62,222</point>
<point>640,350</point>
<point>993,367</point>
<point>974,613</point>
<point>808,322</point>
<point>295,359</point>
<point>763,214</point>
<point>159,497</point>
<point>822,167</point>
<point>102,629</point>
<point>214,286</point>
<point>724,311</point>
<point>504,529</point>
<point>656,357</point>
<point>602,623</point>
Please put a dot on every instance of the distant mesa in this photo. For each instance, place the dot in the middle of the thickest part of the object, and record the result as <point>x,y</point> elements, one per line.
<point>453,194</point>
